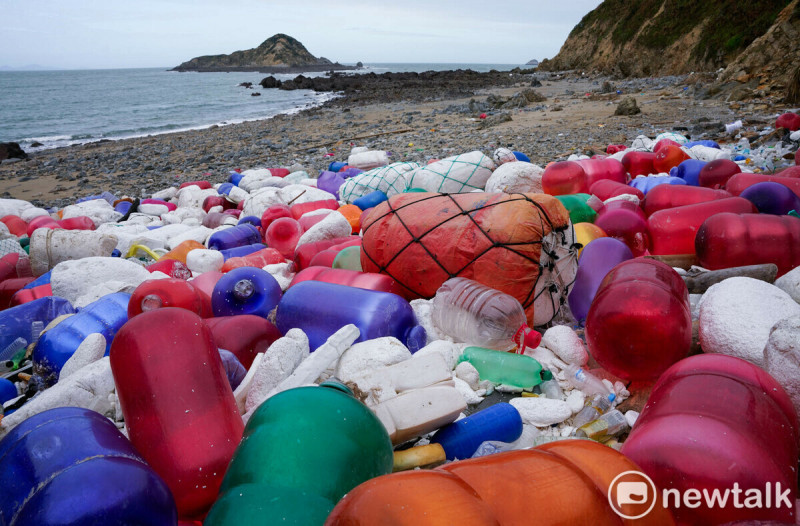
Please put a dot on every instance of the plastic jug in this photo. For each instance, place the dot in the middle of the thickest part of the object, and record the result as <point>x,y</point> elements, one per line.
<point>29,294</point>
<point>671,196</point>
<point>77,223</point>
<point>474,313</point>
<point>327,257</point>
<point>283,235</point>
<point>330,182</point>
<point>564,177</point>
<point>245,335</point>
<point>713,421</point>
<point>105,315</point>
<point>603,169</point>
<point>351,278</point>
<point>9,287</point>
<point>370,200</point>
<point>16,225</point>
<point>640,320</point>
<point>503,367</point>
<point>252,220</point>
<point>245,290</point>
<point>16,321</point>
<point>734,240</point>
<point>673,231</point>
<point>303,449</point>
<point>72,466</point>
<point>236,236</point>
<point>178,405</point>
<point>159,293</point>
<point>597,259</point>
<point>241,251</point>
<point>717,173</point>
<point>772,198</point>
<point>639,163</point>
<point>460,439</point>
<point>41,222</point>
<point>320,309</point>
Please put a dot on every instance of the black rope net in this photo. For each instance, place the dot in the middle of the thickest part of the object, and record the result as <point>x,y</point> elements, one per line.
<point>551,256</point>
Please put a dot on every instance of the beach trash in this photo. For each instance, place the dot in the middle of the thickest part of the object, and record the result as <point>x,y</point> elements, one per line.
<point>689,171</point>
<point>576,177</point>
<point>504,367</point>
<point>625,221</point>
<point>259,259</point>
<point>457,174</point>
<point>520,244</point>
<point>320,309</point>
<point>105,316</point>
<point>585,233</point>
<point>716,423</point>
<point>50,247</point>
<point>579,210</point>
<point>236,236</point>
<point>159,293</point>
<point>351,278</point>
<point>303,450</point>
<point>741,181</point>
<point>717,173</point>
<point>245,335</point>
<point>668,157</point>
<point>178,405</point>
<point>597,260</point>
<point>735,240</point>
<point>572,478</point>
<point>390,180</point>
<point>639,322</point>
<point>670,196</point>
<point>673,231</point>
<point>17,321</point>
<point>245,290</point>
<point>646,184</point>
<point>73,466</point>
<point>607,188</point>
<point>283,235</point>
<point>274,212</point>
<point>772,198</point>
<point>639,163</point>
<point>461,439</point>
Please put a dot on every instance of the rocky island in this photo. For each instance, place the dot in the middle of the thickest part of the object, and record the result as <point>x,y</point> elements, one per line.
<point>278,54</point>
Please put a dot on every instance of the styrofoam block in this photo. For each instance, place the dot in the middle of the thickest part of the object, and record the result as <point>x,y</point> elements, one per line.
<point>576,401</point>
<point>422,311</point>
<point>467,372</point>
<point>790,283</point>
<point>99,290</point>
<point>193,196</point>
<point>516,177</point>
<point>367,356</point>
<point>736,317</point>
<point>282,272</point>
<point>89,351</point>
<point>98,210</point>
<point>72,279</point>
<point>13,207</point>
<point>184,215</point>
<point>566,344</point>
<point>449,351</point>
<point>540,411</point>
<point>470,396</point>
<point>334,225</point>
<point>152,209</point>
<point>32,212</point>
<point>204,260</point>
<point>419,411</point>
<point>198,233</point>
<point>782,357</point>
<point>503,155</point>
<point>280,361</point>
<point>166,193</point>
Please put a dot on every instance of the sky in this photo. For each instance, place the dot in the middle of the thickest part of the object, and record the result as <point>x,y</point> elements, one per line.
<point>101,34</point>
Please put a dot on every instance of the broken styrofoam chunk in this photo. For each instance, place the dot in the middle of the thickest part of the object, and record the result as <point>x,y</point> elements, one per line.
<point>32,213</point>
<point>370,355</point>
<point>296,193</point>
<point>546,357</point>
<point>152,209</point>
<point>99,290</point>
<point>471,397</point>
<point>576,400</point>
<point>204,260</point>
<point>89,388</point>
<point>282,359</point>
<point>237,195</point>
<point>91,349</point>
<point>782,357</point>
<point>167,232</point>
<point>566,344</point>
<point>49,247</point>
<point>422,311</point>
<point>467,372</point>
<point>631,417</point>
<point>503,155</point>
<point>419,411</point>
<point>282,272</point>
<point>98,210</point>
<point>334,226</point>
<point>541,411</point>
<point>193,196</point>
<point>189,216</point>
<point>378,385</point>
<point>450,351</point>
<point>314,365</point>
<point>260,200</point>
<point>736,316</point>
<point>516,177</point>
<point>243,389</point>
<point>790,283</point>
<point>166,193</point>
<point>73,279</point>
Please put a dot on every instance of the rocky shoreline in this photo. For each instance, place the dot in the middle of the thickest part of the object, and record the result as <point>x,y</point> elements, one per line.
<point>270,69</point>
<point>415,120</point>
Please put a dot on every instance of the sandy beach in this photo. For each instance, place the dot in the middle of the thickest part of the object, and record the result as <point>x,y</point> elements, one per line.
<point>575,118</point>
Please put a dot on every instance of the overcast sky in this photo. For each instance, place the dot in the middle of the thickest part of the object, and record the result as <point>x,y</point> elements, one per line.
<point>159,33</point>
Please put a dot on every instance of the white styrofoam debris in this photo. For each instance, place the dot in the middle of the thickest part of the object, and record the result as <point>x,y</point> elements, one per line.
<point>545,356</point>
<point>189,216</point>
<point>73,279</point>
<point>566,344</point>
<point>516,177</point>
<point>193,196</point>
<point>383,383</point>
<point>419,411</point>
<point>631,417</point>
<point>467,392</point>
<point>237,195</point>
<point>503,155</point>
<point>334,225</point>
<point>370,355</point>
<point>13,207</point>
<point>737,314</point>
<point>166,193</point>
<point>782,357</point>
<point>448,350</point>
<point>468,373</point>
<point>152,209</point>
<point>89,387</point>
<point>98,210</point>
<point>91,349</point>
<point>166,232</point>
<point>790,283</point>
<point>576,400</point>
<point>99,290</point>
<point>283,357</point>
<point>204,260</point>
<point>49,247</point>
<point>541,411</point>
<point>32,213</point>
<point>243,389</point>
<point>422,311</point>
<point>282,272</point>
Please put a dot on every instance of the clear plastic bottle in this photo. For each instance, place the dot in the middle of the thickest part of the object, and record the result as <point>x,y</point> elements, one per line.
<point>550,387</point>
<point>593,409</point>
<point>585,381</point>
<point>605,427</point>
<point>474,313</point>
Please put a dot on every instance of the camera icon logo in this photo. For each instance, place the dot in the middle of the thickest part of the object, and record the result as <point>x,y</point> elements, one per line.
<point>632,495</point>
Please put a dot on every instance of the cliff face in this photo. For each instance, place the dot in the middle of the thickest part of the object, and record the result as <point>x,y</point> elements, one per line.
<point>664,37</point>
<point>772,61</point>
<point>278,51</point>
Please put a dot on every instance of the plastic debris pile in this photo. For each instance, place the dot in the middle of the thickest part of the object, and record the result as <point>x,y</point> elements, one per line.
<point>270,348</point>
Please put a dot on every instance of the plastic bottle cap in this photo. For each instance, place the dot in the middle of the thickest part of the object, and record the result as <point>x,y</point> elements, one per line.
<point>243,289</point>
<point>526,337</point>
<point>151,302</point>
<point>547,375</point>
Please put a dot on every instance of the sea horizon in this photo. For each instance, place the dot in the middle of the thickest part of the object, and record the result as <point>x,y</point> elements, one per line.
<point>58,108</point>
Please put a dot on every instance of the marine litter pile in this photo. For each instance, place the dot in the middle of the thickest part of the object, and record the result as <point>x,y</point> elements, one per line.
<point>603,338</point>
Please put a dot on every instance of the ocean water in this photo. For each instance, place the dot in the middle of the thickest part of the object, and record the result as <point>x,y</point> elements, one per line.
<point>61,108</point>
